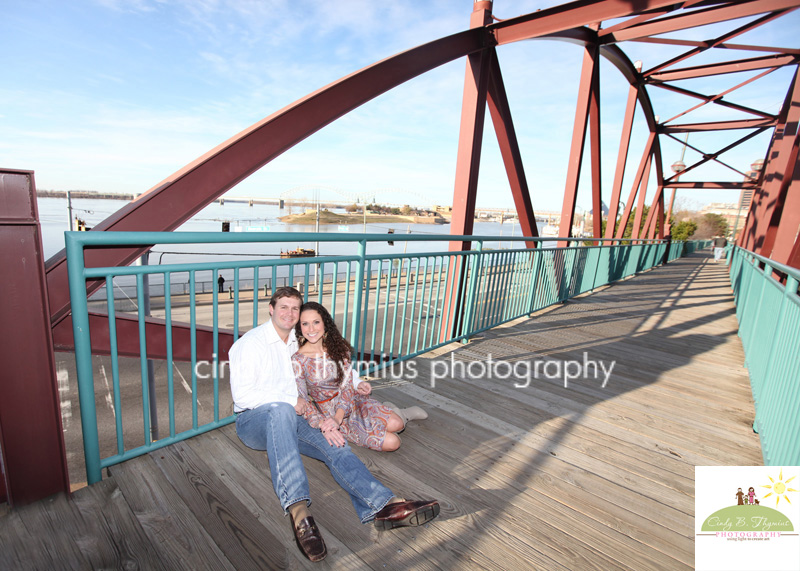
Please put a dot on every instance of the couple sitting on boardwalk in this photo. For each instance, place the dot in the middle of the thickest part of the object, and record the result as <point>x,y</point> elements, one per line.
<point>271,415</point>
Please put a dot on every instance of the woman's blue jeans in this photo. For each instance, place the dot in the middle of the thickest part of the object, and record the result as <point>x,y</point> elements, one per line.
<point>276,428</point>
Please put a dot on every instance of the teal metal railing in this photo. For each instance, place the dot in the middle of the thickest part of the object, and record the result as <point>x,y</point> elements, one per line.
<point>390,307</point>
<point>768,310</point>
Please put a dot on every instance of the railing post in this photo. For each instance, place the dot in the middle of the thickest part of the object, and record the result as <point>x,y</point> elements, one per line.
<point>193,342</point>
<point>747,270</point>
<point>83,357</point>
<point>535,280</point>
<point>170,370</point>
<point>597,265</point>
<point>148,425</point>
<point>766,271</point>
<point>356,320</point>
<point>473,280</point>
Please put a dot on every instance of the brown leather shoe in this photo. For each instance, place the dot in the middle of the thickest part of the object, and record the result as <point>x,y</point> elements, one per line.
<point>309,539</point>
<point>409,513</point>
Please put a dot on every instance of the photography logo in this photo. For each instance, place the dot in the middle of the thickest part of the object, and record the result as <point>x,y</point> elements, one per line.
<point>747,517</point>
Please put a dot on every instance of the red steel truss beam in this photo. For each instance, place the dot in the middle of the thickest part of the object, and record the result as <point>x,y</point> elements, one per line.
<point>716,42</point>
<point>736,66</point>
<point>590,61</point>
<point>721,13</point>
<point>654,216</point>
<point>622,159</point>
<point>717,99</point>
<point>473,113</point>
<point>636,20</point>
<point>637,219</point>
<point>724,46</point>
<point>777,169</point>
<point>709,185</point>
<point>667,223</point>
<point>786,238</point>
<point>176,199</point>
<point>594,139</point>
<point>643,164</point>
<point>780,171</point>
<point>718,126</point>
<point>509,149</point>
<point>128,338</point>
<point>794,256</point>
<point>571,15</point>
<point>663,228</point>
<point>713,156</point>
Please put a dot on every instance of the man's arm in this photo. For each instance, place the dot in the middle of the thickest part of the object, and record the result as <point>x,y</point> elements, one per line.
<point>360,385</point>
<point>246,363</point>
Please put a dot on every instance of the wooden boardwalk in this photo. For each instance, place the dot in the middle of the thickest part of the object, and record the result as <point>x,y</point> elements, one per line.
<point>541,476</point>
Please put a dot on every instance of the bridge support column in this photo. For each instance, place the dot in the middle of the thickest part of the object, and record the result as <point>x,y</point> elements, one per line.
<point>644,165</point>
<point>588,104</point>
<point>31,437</point>
<point>622,160</point>
<point>772,224</point>
<point>509,148</point>
<point>473,112</point>
<point>638,231</point>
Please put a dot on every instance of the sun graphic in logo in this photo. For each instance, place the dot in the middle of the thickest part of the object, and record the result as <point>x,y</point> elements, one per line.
<point>779,488</point>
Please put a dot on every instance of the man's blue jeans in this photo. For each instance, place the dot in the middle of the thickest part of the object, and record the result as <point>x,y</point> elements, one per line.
<point>276,428</point>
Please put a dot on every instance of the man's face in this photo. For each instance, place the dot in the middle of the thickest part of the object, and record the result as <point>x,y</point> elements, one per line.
<point>285,314</point>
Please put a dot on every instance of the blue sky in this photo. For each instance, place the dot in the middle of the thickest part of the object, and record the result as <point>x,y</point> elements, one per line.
<point>114,96</point>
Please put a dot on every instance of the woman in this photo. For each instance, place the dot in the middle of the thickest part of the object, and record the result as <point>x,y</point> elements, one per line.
<point>323,371</point>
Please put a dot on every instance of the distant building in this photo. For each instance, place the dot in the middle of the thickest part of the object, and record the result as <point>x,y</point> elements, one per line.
<point>745,199</point>
<point>603,209</point>
<point>746,196</point>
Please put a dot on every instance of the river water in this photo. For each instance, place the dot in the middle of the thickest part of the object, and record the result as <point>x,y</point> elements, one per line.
<point>54,219</point>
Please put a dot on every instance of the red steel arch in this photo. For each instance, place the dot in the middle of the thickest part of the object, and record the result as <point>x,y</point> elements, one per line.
<point>176,199</point>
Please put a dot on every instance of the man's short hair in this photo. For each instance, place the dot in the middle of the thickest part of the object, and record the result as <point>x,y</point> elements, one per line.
<point>285,291</point>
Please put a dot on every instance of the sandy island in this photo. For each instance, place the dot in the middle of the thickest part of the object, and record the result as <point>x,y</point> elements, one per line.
<point>328,217</point>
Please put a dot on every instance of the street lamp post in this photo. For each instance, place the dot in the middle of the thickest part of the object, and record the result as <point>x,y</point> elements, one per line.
<point>752,176</point>
<point>677,167</point>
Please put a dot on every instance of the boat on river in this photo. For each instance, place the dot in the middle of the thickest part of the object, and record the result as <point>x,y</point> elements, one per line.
<point>550,231</point>
<point>299,253</point>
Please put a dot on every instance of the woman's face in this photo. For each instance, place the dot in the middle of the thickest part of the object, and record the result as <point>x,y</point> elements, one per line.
<point>311,326</point>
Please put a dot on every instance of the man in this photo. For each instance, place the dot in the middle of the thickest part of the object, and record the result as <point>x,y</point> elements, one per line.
<point>268,417</point>
<point>719,247</point>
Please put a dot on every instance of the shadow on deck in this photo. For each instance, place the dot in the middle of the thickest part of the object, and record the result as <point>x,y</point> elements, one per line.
<point>539,476</point>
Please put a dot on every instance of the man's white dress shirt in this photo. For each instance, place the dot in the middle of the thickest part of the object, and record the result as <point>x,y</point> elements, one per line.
<point>261,368</point>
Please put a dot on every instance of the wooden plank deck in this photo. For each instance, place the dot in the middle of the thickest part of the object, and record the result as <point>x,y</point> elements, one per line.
<point>534,477</point>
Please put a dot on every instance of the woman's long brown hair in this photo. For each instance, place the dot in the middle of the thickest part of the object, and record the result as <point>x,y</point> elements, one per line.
<point>337,347</point>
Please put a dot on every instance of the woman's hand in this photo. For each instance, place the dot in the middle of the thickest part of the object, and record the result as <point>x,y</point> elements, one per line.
<point>364,388</point>
<point>330,430</point>
<point>301,406</point>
